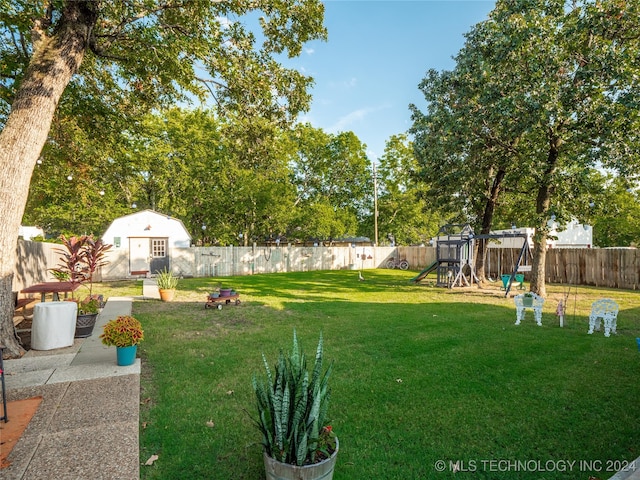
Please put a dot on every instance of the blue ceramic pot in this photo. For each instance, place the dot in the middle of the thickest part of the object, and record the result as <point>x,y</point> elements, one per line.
<point>126,355</point>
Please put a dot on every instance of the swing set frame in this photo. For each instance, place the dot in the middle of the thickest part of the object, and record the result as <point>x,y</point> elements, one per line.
<point>525,253</point>
<point>455,248</point>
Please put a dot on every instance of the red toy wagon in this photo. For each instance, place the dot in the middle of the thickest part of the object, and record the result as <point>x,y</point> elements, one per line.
<point>225,298</point>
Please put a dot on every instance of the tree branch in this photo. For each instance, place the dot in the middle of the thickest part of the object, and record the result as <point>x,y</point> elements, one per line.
<point>207,83</point>
<point>118,31</point>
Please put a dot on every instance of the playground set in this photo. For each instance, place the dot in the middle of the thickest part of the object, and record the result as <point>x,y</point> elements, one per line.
<point>455,264</point>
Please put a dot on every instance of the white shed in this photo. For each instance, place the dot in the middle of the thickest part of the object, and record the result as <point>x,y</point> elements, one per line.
<point>147,239</point>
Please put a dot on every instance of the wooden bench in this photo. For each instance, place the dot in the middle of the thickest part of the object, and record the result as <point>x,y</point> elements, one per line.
<point>21,303</point>
<point>139,273</point>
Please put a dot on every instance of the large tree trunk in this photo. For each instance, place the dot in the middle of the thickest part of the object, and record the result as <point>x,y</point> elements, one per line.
<point>487,221</point>
<point>543,201</point>
<point>538,262</point>
<point>54,61</point>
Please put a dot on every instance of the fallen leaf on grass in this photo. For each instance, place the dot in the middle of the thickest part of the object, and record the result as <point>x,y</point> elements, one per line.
<point>211,424</point>
<point>152,459</point>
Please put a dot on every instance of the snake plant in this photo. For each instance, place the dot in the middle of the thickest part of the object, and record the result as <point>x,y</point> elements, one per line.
<point>166,280</point>
<point>292,406</point>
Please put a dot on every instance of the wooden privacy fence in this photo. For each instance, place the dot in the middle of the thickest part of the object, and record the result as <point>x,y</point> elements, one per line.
<point>615,268</point>
<point>600,267</point>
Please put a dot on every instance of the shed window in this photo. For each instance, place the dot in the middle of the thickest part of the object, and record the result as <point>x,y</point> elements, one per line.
<point>159,248</point>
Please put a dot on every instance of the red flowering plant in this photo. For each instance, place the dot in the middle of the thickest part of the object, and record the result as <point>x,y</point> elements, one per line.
<point>124,331</point>
<point>81,257</point>
<point>326,443</point>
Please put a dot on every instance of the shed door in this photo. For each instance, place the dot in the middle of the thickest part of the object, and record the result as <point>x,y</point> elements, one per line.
<point>159,254</point>
<point>139,254</point>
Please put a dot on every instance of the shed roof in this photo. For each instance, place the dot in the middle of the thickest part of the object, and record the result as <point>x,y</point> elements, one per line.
<point>148,223</point>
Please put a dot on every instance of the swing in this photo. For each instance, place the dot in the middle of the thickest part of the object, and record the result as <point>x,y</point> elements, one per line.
<point>488,257</point>
<point>505,277</point>
<point>524,267</point>
<point>518,278</point>
<point>525,253</point>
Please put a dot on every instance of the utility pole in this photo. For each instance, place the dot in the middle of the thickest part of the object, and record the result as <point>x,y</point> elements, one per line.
<point>375,203</point>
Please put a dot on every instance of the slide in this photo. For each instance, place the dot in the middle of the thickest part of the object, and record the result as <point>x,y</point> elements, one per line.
<point>425,272</point>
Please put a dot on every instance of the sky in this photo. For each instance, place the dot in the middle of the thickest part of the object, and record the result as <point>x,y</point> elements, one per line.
<point>378,51</point>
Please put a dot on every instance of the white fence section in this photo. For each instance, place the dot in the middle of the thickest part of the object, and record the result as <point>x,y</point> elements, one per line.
<point>615,268</point>
<point>36,258</point>
<point>226,261</point>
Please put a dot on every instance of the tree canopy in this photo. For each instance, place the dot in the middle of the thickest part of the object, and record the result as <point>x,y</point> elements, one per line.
<point>104,64</point>
<point>542,95</point>
<point>238,178</point>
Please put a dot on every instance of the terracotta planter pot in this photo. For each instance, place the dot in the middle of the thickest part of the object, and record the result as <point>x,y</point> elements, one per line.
<point>166,295</point>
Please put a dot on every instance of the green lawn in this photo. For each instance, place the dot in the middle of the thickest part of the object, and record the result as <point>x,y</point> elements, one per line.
<point>421,374</point>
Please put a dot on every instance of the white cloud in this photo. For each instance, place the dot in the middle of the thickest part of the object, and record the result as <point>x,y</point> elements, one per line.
<point>351,83</point>
<point>349,119</point>
<point>356,117</point>
<point>305,118</point>
<point>309,51</point>
<point>224,22</point>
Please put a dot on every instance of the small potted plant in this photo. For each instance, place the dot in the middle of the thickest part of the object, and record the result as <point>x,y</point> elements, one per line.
<point>215,293</point>
<point>88,310</point>
<point>292,417</point>
<point>527,299</point>
<point>94,257</point>
<point>167,283</point>
<point>80,258</point>
<point>125,333</point>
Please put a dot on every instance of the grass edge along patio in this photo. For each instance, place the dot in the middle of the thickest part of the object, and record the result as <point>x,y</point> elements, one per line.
<point>421,375</point>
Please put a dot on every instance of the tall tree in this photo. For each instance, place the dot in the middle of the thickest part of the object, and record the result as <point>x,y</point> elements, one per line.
<point>332,180</point>
<point>257,195</point>
<point>465,153</point>
<point>574,68</point>
<point>565,74</point>
<point>131,56</point>
<point>615,215</point>
<point>401,211</point>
